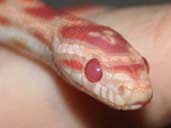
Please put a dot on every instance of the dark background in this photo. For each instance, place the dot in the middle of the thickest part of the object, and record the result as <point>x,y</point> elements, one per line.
<point>118,3</point>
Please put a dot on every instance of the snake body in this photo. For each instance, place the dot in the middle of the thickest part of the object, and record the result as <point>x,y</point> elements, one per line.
<point>93,58</point>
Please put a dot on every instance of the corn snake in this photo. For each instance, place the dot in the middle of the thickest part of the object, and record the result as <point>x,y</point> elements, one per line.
<point>93,58</point>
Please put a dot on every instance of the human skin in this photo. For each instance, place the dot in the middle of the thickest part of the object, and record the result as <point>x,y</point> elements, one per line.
<point>32,96</point>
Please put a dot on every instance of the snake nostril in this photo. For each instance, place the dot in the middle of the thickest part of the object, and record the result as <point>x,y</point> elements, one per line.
<point>93,70</point>
<point>147,64</point>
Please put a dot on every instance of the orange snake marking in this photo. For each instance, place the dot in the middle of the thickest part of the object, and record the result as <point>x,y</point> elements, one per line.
<point>132,69</point>
<point>41,37</point>
<point>85,33</point>
<point>2,1</point>
<point>93,58</point>
<point>74,64</point>
<point>43,11</point>
<point>4,21</point>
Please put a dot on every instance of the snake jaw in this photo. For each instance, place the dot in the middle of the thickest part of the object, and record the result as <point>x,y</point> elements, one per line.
<point>121,94</point>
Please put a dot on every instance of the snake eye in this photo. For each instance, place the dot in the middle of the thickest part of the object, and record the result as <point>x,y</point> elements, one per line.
<point>93,70</point>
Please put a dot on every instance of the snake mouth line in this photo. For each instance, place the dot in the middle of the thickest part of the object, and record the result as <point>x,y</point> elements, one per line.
<point>128,100</point>
<point>136,106</point>
<point>142,100</point>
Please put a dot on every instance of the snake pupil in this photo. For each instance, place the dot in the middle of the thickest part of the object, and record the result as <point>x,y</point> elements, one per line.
<point>93,70</point>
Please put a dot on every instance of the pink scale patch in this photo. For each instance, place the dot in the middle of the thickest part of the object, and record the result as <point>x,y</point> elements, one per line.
<point>99,36</point>
<point>43,11</point>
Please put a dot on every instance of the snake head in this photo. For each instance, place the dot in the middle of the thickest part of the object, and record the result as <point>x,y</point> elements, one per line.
<point>99,61</point>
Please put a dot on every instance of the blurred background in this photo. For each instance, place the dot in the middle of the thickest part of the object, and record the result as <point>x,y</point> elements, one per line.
<point>118,3</point>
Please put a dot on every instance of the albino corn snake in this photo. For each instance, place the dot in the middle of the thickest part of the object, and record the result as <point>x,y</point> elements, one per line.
<point>91,57</point>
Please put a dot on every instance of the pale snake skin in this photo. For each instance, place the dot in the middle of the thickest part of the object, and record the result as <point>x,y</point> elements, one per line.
<point>93,58</point>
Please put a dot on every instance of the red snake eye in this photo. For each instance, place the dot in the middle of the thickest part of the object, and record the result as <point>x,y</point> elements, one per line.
<point>93,70</point>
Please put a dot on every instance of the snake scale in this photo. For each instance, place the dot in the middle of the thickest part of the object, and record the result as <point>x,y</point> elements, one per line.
<point>93,58</point>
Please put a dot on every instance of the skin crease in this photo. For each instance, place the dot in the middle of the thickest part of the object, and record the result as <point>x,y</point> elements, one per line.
<point>33,96</point>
